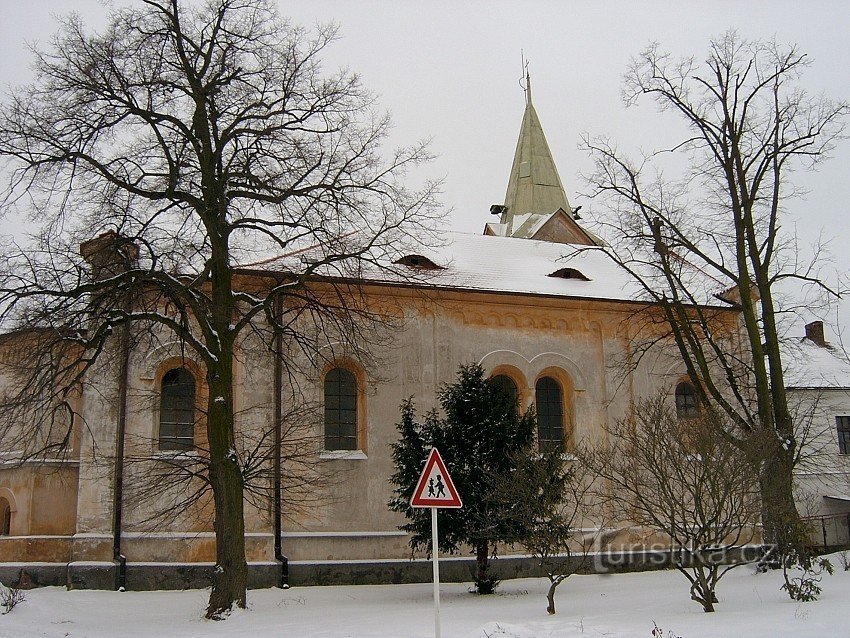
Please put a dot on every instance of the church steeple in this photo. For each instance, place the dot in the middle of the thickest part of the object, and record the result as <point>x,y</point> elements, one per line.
<point>536,205</point>
<point>534,186</point>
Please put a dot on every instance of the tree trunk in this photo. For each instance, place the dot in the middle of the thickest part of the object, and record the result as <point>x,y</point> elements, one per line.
<point>706,602</point>
<point>780,518</point>
<point>702,590</point>
<point>550,596</point>
<point>231,572</point>
<point>230,580</point>
<point>482,581</point>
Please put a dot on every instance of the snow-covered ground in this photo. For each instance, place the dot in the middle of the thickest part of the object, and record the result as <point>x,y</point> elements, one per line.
<point>751,606</point>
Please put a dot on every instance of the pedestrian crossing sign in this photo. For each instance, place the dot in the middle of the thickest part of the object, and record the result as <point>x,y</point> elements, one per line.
<point>435,487</point>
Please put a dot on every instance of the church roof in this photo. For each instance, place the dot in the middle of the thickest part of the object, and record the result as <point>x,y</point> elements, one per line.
<point>538,248</point>
<point>525,266</point>
<point>481,263</point>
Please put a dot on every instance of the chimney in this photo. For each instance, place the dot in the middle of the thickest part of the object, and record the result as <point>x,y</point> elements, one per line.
<point>814,333</point>
<point>109,254</point>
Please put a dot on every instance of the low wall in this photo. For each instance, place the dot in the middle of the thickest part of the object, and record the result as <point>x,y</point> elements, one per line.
<point>151,576</point>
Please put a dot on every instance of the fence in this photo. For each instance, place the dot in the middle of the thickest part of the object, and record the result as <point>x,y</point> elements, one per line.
<point>829,532</point>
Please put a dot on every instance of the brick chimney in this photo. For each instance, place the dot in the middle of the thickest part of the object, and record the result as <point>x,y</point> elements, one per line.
<point>814,333</point>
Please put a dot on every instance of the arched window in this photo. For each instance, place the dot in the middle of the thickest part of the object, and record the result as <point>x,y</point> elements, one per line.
<point>507,385</point>
<point>177,410</point>
<point>5,517</point>
<point>549,398</point>
<point>340,410</point>
<point>687,406</point>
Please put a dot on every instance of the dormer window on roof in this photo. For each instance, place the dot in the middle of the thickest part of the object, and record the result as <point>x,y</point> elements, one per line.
<point>417,261</point>
<point>569,273</point>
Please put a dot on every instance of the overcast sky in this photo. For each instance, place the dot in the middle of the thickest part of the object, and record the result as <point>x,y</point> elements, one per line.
<point>449,71</point>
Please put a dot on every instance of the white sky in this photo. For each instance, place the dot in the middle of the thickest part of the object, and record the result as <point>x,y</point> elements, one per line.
<point>448,70</point>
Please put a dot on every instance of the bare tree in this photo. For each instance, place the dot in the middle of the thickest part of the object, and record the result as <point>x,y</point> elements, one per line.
<point>718,229</point>
<point>197,140</point>
<point>171,487</point>
<point>550,499</point>
<point>684,480</point>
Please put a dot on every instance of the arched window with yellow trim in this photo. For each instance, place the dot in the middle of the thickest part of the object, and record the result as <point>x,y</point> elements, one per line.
<point>549,400</point>
<point>177,411</point>
<point>507,385</point>
<point>340,394</point>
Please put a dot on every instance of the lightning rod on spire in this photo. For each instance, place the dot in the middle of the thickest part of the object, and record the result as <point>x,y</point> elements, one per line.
<point>525,79</point>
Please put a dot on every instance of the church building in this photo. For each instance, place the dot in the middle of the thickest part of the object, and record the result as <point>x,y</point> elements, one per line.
<point>529,299</point>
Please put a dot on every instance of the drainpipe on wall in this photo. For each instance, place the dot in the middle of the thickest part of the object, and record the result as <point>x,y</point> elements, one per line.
<point>121,575</point>
<point>283,582</point>
<point>108,255</point>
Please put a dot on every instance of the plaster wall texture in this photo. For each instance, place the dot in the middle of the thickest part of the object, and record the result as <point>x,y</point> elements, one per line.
<point>583,343</point>
<point>582,346</point>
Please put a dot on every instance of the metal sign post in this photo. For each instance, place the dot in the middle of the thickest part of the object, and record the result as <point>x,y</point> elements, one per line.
<point>435,489</point>
<point>435,559</point>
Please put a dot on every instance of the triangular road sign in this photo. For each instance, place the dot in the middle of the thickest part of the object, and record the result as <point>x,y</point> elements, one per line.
<point>435,487</point>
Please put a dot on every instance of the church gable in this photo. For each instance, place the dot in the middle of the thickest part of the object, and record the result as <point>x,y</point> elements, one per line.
<point>560,228</point>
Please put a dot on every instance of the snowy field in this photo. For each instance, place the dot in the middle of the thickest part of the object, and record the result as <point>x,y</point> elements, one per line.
<point>751,606</point>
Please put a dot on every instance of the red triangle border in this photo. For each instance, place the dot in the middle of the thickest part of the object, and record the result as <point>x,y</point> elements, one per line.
<point>419,500</point>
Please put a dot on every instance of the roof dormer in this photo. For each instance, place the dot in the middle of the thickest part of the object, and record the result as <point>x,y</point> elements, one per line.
<point>417,261</point>
<point>569,273</point>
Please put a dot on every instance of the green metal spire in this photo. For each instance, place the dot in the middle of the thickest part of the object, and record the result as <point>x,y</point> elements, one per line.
<point>534,186</point>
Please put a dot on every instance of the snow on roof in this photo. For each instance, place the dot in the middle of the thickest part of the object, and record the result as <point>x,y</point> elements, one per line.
<point>808,365</point>
<point>496,229</point>
<point>526,224</point>
<point>518,265</point>
<point>489,263</point>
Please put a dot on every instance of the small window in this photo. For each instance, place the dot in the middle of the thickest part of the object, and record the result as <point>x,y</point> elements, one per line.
<point>842,423</point>
<point>5,517</point>
<point>569,273</point>
<point>418,261</point>
<point>687,406</point>
<point>177,411</point>
<point>340,410</point>
<point>550,413</point>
